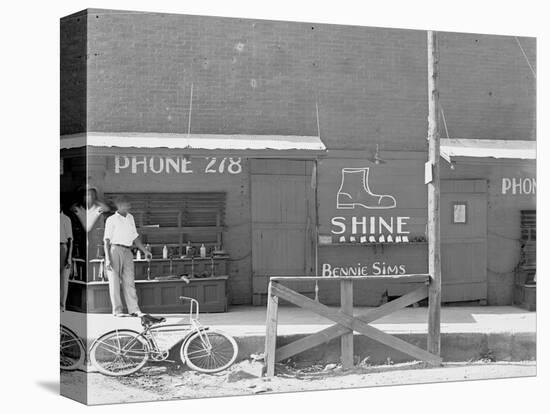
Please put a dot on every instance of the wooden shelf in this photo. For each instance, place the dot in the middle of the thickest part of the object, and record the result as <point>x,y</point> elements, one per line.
<point>421,277</point>
<point>155,296</point>
<point>373,244</point>
<point>175,259</point>
<point>146,229</point>
<point>175,266</point>
<point>183,259</point>
<point>191,280</point>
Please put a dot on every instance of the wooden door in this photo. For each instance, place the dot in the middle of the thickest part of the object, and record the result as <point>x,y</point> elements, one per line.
<point>464,240</point>
<point>283,223</point>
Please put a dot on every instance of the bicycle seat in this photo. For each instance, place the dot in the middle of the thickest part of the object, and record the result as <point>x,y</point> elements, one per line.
<point>148,320</point>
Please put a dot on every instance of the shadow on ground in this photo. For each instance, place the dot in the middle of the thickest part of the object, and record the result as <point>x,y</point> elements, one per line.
<point>50,386</point>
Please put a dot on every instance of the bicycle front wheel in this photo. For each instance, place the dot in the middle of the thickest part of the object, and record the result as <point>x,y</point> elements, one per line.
<point>119,353</point>
<point>209,351</point>
<point>71,350</point>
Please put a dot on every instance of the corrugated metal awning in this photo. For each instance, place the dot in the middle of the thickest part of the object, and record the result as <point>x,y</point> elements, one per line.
<point>488,148</point>
<point>194,141</point>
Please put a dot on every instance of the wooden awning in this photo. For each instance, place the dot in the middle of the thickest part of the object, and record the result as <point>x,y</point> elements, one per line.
<point>197,142</point>
<point>488,148</point>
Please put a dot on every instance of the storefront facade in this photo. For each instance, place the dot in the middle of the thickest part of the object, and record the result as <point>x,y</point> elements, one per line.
<point>183,198</point>
<point>328,213</point>
<point>499,195</point>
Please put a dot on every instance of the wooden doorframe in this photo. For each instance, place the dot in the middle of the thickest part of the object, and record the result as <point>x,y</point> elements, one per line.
<point>310,219</point>
<point>468,187</point>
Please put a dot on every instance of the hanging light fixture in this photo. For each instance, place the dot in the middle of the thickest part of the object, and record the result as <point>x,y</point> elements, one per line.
<point>377,158</point>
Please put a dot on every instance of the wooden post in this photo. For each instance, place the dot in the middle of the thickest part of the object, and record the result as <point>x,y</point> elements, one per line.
<point>434,241</point>
<point>346,306</point>
<point>271,332</point>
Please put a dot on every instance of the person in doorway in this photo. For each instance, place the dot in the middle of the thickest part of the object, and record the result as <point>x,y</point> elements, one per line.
<point>65,256</point>
<point>120,234</point>
<point>90,209</point>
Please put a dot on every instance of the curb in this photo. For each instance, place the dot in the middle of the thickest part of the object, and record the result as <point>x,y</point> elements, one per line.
<point>455,347</point>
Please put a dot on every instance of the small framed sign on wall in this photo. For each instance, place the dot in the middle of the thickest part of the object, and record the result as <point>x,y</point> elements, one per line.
<point>460,212</point>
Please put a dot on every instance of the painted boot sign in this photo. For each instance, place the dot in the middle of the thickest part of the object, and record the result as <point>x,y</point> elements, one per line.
<point>355,191</point>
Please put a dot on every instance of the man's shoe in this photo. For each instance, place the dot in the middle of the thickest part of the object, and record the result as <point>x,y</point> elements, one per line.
<point>148,320</point>
<point>119,315</point>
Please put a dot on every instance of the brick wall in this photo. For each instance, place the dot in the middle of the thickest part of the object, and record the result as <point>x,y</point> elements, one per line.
<point>73,73</point>
<point>487,88</point>
<point>264,77</point>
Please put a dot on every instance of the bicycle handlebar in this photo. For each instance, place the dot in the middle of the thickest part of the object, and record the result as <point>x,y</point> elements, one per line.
<point>194,304</point>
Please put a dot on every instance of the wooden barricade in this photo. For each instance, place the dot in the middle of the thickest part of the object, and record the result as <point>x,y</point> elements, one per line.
<point>346,322</point>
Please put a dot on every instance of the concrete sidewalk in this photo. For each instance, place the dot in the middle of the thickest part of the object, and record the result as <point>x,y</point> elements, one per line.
<point>243,321</point>
<point>502,333</point>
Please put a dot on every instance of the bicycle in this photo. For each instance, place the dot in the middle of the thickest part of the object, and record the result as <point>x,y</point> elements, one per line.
<point>124,351</point>
<point>71,350</point>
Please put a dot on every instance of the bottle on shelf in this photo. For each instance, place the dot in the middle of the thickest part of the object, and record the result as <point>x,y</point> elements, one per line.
<point>165,252</point>
<point>148,248</point>
<point>188,248</point>
<point>138,255</point>
<point>203,251</point>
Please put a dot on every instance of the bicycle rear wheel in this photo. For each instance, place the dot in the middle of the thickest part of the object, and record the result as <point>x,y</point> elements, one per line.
<point>209,351</point>
<point>71,350</point>
<point>119,353</point>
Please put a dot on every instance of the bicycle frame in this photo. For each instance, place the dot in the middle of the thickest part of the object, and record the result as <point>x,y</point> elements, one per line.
<point>195,327</point>
<point>194,322</point>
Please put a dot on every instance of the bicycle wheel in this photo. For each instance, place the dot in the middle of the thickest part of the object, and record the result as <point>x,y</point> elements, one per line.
<point>118,353</point>
<point>71,350</point>
<point>209,351</point>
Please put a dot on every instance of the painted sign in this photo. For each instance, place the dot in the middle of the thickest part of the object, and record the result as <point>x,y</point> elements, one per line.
<point>355,192</point>
<point>519,186</point>
<point>157,164</point>
<point>365,222</point>
<point>376,268</point>
<point>367,213</point>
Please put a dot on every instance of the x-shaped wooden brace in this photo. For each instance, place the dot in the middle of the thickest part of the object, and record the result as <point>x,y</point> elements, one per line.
<point>345,323</point>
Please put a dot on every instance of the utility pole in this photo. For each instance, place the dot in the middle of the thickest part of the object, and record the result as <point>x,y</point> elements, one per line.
<point>434,240</point>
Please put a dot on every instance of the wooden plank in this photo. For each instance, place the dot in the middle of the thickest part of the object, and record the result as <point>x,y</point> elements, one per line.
<point>434,241</point>
<point>463,186</point>
<point>394,305</point>
<point>355,324</point>
<point>278,167</point>
<point>336,330</point>
<point>271,331</point>
<point>176,230</point>
<point>346,306</point>
<point>280,211</point>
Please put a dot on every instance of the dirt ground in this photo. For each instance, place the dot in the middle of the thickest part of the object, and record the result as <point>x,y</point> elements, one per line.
<point>169,381</point>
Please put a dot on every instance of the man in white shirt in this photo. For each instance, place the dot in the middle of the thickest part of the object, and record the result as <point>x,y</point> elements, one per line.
<point>65,257</point>
<point>120,234</point>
